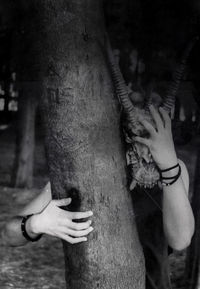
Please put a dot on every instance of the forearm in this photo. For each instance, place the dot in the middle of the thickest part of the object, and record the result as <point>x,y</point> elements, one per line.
<point>178,217</point>
<point>12,233</point>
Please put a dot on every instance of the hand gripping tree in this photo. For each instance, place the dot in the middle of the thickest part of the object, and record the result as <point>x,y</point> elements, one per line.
<point>84,149</point>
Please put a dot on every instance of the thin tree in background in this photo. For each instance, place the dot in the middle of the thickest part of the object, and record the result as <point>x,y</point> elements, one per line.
<point>26,62</point>
<point>193,254</point>
<point>25,143</point>
<point>192,270</point>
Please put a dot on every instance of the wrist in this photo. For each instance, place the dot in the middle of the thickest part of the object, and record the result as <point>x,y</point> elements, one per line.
<point>33,226</point>
<point>170,175</point>
<point>168,163</point>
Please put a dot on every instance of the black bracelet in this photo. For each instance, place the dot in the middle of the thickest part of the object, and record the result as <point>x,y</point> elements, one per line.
<point>24,232</point>
<point>175,178</point>
<point>169,169</point>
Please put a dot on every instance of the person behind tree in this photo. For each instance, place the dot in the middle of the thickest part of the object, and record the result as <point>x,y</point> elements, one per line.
<point>159,182</point>
<point>164,216</point>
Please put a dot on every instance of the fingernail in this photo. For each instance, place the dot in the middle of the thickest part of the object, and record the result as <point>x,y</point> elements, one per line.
<point>91,228</point>
<point>90,222</point>
<point>90,213</point>
<point>85,239</point>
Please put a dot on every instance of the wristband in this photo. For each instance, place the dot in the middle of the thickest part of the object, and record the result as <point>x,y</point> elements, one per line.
<point>24,232</point>
<point>173,178</point>
<point>169,169</point>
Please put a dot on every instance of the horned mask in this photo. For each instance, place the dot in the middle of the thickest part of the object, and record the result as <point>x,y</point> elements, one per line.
<point>142,169</point>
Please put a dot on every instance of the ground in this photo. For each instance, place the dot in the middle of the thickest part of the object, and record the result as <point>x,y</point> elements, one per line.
<point>41,265</point>
<point>35,266</point>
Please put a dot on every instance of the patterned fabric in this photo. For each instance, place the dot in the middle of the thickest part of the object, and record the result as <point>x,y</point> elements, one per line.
<point>148,209</point>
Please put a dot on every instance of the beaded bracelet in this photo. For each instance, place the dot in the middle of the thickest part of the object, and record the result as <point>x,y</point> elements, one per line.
<point>24,232</point>
<point>173,178</point>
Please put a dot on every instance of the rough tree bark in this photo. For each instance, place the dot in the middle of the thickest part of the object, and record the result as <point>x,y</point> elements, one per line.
<point>84,149</point>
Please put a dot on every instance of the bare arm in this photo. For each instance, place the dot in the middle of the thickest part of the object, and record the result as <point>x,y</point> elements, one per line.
<point>178,219</point>
<point>49,219</point>
<point>38,203</point>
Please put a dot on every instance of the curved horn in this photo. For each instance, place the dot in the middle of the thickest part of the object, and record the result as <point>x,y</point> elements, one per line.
<point>169,99</point>
<point>120,85</point>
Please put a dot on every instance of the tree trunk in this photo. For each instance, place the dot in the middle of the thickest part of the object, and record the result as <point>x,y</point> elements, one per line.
<point>192,270</point>
<point>24,158</point>
<point>85,154</point>
<point>193,254</point>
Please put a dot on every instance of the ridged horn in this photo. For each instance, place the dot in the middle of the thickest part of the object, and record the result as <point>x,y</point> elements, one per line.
<point>169,99</point>
<point>120,85</point>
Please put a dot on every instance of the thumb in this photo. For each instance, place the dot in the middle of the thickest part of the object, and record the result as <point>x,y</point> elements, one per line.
<point>63,202</point>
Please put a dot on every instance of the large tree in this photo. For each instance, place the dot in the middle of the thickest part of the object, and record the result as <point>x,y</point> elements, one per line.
<point>84,147</point>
